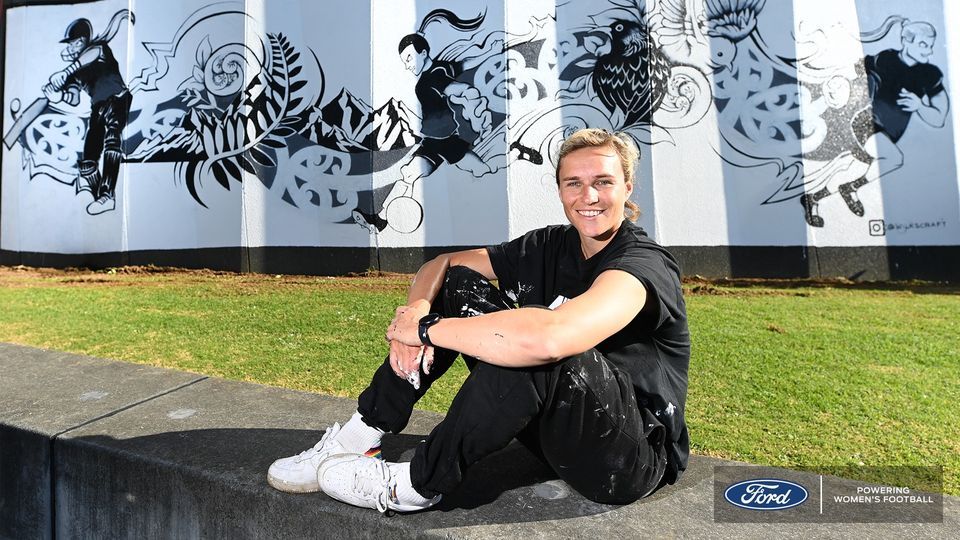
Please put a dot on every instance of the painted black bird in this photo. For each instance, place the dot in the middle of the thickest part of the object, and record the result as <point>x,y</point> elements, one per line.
<point>632,78</point>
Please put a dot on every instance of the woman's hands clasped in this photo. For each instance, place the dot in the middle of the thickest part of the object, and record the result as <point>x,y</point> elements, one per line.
<point>407,353</point>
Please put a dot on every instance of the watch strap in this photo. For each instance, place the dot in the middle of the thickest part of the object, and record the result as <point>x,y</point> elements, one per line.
<point>423,329</point>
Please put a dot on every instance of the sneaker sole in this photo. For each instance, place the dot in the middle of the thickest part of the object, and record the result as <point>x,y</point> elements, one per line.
<point>394,507</point>
<point>287,487</point>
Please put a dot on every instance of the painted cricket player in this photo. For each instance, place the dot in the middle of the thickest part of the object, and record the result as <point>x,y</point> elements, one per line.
<point>93,69</point>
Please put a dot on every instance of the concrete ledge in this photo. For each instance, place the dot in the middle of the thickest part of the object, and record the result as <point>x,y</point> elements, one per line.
<point>44,394</point>
<point>164,454</point>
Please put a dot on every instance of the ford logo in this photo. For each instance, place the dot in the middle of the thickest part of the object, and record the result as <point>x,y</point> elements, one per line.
<point>765,494</point>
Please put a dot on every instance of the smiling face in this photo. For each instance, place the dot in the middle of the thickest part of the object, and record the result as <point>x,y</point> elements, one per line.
<point>413,60</point>
<point>918,50</point>
<point>593,193</point>
<point>73,49</point>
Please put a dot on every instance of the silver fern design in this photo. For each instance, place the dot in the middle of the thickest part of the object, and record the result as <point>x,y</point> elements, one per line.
<point>257,121</point>
<point>227,129</point>
<point>225,133</point>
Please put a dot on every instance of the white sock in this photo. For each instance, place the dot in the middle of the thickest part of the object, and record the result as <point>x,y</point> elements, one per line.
<point>356,436</point>
<point>405,492</point>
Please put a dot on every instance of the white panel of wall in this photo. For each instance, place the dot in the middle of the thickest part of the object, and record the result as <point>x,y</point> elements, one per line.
<point>537,47</point>
<point>454,177</point>
<point>307,198</point>
<point>47,220</point>
<point>910,197</point>
<point>172,49</point>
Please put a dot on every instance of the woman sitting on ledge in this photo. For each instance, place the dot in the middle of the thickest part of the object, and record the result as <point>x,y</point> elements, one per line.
<point>594,383</point>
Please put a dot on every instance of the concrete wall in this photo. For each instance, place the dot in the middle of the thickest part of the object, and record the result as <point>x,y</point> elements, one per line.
<point>260,132</point>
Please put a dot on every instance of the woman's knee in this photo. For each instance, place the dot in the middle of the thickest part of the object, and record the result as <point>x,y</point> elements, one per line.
<point>467,293</point>
<point>590,367</point>
<point>458,274</point>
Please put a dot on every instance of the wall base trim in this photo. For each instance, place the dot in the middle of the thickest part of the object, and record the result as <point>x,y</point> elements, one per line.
<point>867,263</point>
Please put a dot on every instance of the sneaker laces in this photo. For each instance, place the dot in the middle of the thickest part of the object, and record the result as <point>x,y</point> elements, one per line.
<point>316,449</point>
<point>375,482</point>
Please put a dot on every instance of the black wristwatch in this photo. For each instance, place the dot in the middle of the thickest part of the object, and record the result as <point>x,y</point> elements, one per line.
<point>425,323</point>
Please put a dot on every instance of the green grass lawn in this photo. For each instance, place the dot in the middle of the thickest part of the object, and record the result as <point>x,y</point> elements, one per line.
<point>783,374</point>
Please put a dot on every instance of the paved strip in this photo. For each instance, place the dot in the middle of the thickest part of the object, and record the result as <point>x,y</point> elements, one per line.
<point>191,463</point>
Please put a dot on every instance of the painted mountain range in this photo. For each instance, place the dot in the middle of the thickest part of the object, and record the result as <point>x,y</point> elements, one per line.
<point>349,124</point>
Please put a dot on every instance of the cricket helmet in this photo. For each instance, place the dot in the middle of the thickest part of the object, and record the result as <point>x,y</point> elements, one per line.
<point>80,28</point>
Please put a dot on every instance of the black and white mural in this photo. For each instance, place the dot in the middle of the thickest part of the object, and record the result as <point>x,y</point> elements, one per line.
<point>183,125</point>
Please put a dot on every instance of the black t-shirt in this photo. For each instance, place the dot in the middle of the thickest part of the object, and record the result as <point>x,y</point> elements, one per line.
<point>439,120</point>
<point>654,348</point>
<point>101,78</point>
<point>888,75</point>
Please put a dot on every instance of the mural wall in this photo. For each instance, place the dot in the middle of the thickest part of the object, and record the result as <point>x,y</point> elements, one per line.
<point>166,125</point>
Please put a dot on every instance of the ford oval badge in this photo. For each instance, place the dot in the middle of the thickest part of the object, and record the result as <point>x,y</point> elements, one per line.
<point>765,494</point>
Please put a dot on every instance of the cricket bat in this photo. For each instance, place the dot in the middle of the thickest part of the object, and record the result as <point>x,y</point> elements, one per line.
<point>29,115</point>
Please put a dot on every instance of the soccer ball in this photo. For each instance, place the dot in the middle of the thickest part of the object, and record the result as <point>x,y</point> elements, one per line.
<point>404,214</point>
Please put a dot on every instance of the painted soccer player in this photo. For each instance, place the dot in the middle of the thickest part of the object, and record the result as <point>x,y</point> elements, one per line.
<point>902,84</point>
<point>594,384</point>
<point>455,115</point>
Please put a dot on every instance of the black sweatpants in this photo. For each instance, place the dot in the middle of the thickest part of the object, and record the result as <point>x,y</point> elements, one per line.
<point>579,414</point>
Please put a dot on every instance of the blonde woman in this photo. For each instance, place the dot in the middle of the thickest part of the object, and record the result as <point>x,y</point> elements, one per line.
<point>581,354</point>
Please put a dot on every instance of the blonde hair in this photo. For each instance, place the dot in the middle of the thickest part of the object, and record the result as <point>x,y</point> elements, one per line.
<point>911,30</point>
<point>621,143</point>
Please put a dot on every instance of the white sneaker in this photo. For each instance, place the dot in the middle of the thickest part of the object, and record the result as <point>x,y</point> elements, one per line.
<point>365,482</point>
<point>298,474</point>
<point>105,203</point>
